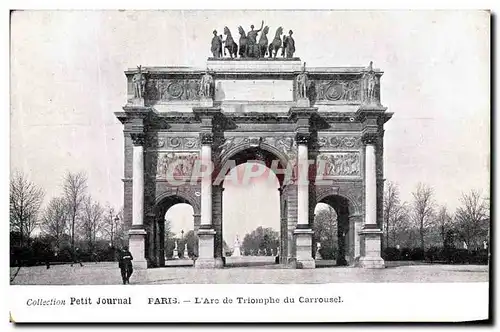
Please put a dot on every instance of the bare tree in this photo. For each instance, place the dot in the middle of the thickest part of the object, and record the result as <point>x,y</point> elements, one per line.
<point>55,220</point>
<point>472,219</point>
<point>391,207</point>
<point>75,187</point>
<point>25,201</point>
<point>92,221</point>
<point>122,229</point>
<point>423,210</point>
<point>444,223</point>
<point>401,226</point>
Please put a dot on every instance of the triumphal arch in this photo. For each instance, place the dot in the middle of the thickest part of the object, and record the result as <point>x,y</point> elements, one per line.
<point>327,122</point>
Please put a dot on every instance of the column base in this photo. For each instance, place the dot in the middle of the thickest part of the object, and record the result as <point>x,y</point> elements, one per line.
<point>206,248</point>
<point>206,102</point>
<point>370,249</point>
<point>303,240</point>
<point>205,263</point>
<point>368,262</point>
<point>137,102</point>
<point>136,243</point>
<point>303,102</point>
<point>219,263</point>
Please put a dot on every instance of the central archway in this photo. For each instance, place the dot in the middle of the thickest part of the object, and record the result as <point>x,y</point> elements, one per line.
<point>247,171</point>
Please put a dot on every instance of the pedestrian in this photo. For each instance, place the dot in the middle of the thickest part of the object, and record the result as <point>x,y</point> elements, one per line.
<point>125,265</point>
<point>76,257</point>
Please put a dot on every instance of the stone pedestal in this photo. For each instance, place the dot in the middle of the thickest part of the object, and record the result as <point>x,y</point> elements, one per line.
<point>303,240</point>
<point>137,102</point>
<point>206,258</point>
<point>370,255</point>
<point>206,102</point>
<point>185,254</point>
<point>136,243</point>
<point>303,102</point>
<point>318,254</point>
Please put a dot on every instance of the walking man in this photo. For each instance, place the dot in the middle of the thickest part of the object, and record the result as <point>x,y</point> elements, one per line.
<point>125,265</point>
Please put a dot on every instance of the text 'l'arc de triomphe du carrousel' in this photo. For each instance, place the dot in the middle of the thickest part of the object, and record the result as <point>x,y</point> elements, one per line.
<point>255,101</point>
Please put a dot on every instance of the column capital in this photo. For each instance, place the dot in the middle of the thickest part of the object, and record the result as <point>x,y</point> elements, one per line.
<point>302,138</point>
<point>369,138</point>
<point>206,138</point>
<point>138,138</point>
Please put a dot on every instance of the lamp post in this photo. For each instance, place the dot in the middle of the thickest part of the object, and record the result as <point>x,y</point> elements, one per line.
<point>113,230</point>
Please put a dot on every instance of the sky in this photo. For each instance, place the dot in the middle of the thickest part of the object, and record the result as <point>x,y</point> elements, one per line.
<point>67,80</point>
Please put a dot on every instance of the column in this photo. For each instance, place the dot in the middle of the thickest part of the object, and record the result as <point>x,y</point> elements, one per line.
<point>370,233</point>
<point>303,232</point>
<point>206,233</point>
<point>137,233</point>
<point>217,225</point>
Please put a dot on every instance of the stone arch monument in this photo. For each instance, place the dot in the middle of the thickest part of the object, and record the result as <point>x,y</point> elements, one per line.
<point>244,109</point>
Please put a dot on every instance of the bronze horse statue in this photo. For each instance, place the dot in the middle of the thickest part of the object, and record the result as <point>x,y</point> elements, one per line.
<point>243,43</point>
<point>230,44</point>
<point>263,42</point>
<point>276,43</point>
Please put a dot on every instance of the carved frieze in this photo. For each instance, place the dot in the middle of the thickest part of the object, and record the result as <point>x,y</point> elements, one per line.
<point>173,89</point>
<point>232,142</point>
<point>338,90</point>
<point>176,164</point>
<point>287,145</point>
<point>175,143</point>
<point>339,164</point>
<point>339,142</point>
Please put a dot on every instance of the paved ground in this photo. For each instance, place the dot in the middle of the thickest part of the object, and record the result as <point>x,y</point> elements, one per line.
<point>108,273</point>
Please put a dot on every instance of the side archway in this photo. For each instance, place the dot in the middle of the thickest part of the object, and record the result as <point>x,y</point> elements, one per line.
<point>345,209</point>
<point>163,203</point>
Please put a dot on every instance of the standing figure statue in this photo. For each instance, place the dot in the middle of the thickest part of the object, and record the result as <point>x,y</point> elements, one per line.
<point>252,47</point>
<point>206,85</point>
<point>371,82</point>
<point>139,81</point>
<point>288,45</point>
<point>263,42</point>
<point>231,45</point>
<point>302,84</point>
<point>236,247</point>
<point>216,45</point>
<point>276,44</point>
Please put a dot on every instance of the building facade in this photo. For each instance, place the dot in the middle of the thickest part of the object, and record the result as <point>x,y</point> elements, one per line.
<point>275,111</point>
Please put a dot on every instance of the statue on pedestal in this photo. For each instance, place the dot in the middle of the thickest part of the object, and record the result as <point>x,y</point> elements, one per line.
<point>237,245</point>
<point>302,84</point>
<point>139,80</point>
<point>318,254</point>
<point>370,84</point>
<point>185,255</point>
<point>206,86</point>
<point>175,254</point>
